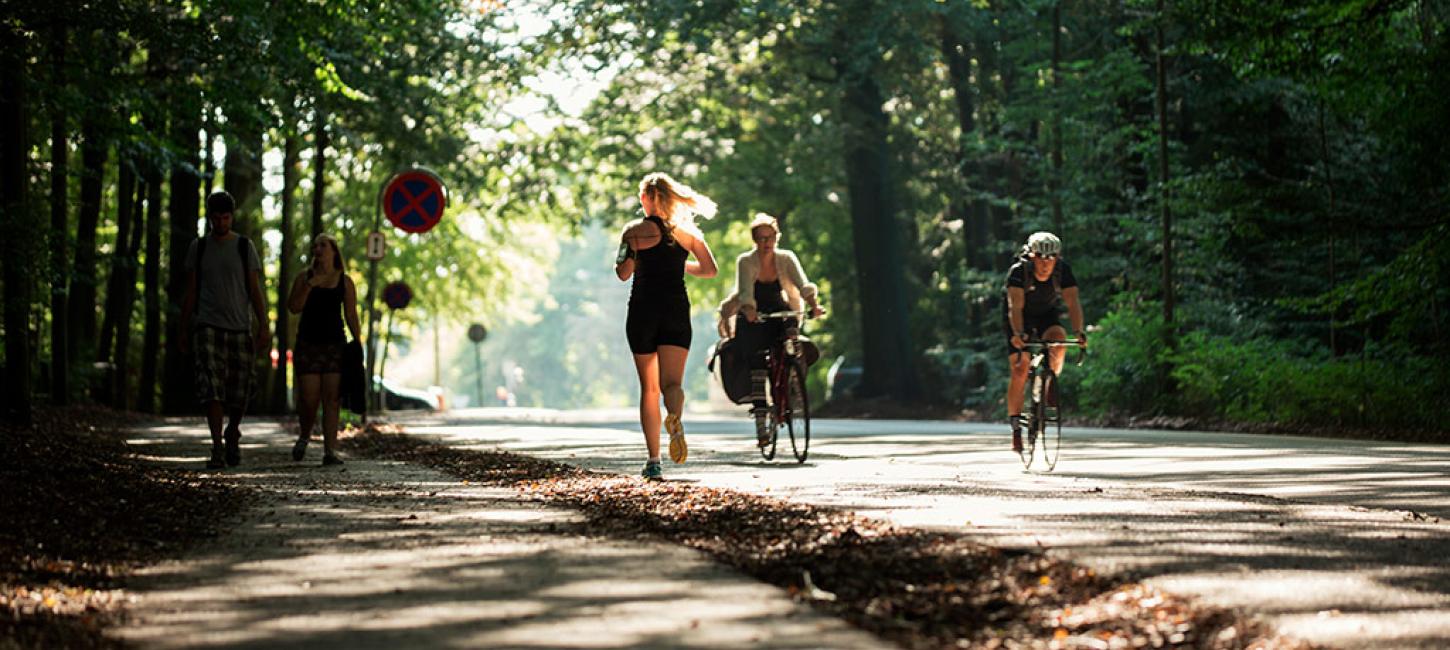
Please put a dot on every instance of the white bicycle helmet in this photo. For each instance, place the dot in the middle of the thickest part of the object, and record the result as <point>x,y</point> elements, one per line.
<point>1043,244</point>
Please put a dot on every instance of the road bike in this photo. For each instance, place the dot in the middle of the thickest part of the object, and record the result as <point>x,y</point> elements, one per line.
<point>788,403</point>
<point>1042,404</point>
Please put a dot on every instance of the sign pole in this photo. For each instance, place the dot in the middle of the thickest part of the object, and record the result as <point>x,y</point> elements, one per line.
<point>478,371</point>
<point>372,400</point>
<point>383,361</point>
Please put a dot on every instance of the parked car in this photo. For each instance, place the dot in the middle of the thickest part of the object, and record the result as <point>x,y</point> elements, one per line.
<point>397,397</point>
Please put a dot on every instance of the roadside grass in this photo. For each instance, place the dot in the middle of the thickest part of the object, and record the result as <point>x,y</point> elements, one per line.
<point>915,588</point>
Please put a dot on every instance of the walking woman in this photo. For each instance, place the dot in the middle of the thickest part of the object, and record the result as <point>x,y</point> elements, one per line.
<point>767,279</point>
<point>655,251</point>
<point>323,294</point>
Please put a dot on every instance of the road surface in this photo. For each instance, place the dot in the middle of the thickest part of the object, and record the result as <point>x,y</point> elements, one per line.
<point>1338,542</point>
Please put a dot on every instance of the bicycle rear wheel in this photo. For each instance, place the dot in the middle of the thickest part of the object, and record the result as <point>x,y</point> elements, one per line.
<point>1049,424</point>
<point>798,412</point>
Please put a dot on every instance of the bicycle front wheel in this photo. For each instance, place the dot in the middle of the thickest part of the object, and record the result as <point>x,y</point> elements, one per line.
<point>798,412</point>
<point>1049,421</point>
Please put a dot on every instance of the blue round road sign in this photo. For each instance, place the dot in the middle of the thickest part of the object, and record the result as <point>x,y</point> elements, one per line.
<point>397,295</point>
<point>414,201</point>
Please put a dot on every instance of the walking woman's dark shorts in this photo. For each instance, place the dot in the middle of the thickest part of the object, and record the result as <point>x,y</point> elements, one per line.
<point>318,358</point>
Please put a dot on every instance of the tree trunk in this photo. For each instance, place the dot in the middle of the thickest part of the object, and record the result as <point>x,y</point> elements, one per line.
<point>243,178</point>
<point>82,323</point>
<point>1165,368</point>
<point>151,342</point>
<point>127,301</point>
<point>1161,101</point>
<point>16,245</point>
<point>290,155</point>
<point>889,365</point>
<point>319,170</point>
<point>184,208</point>
<point>59,225</point>
<point>955,50</point>
<point>111,319</point>
<point>1054,185</point>
<point>208,161</point>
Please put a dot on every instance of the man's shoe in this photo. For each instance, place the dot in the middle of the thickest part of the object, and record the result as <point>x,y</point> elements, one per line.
<point>216,461</point>
<point>678,451</point>
<point>653,471</point>
<point>329,459</point>
<point>1017,433</point>
<point>234,447</point>
<point>299,449</point>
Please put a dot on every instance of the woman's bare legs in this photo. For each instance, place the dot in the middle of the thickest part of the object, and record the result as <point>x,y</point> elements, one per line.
<point>330,410</point>
<point>648,367</point>
<point>311,386</point>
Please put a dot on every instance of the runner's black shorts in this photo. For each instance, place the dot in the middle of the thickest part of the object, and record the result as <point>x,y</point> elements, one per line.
<point>652,323</point>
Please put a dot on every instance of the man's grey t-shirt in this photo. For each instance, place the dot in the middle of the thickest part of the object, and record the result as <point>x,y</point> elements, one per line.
<point>222,301</point>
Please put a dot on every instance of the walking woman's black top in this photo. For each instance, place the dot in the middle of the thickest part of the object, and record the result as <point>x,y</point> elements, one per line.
<point>322,316</point>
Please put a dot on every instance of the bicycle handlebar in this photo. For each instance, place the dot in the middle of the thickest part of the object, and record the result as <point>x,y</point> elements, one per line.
<point>782,315</point>
<point>1033,346</point>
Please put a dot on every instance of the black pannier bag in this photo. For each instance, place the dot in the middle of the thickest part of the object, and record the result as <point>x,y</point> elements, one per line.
<point>732,369</point>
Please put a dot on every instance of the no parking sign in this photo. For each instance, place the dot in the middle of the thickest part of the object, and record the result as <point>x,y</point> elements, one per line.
<point>414,200</point>
<point>397,295</point>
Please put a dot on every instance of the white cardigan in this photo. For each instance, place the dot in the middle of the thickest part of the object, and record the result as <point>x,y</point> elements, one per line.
<point>793,282</point>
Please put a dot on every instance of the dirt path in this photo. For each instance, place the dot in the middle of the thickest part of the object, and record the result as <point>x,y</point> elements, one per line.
<point>385,554</point>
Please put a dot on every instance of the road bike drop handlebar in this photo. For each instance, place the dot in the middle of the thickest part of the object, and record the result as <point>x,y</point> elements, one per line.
<point>1035,345</point>
<point>784,315</point>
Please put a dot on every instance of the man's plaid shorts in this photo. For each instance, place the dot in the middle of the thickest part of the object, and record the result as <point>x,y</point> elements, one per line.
<point>224,363</point>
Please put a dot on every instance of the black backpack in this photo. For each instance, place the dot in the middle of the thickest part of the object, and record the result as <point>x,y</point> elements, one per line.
<point>244,246</point>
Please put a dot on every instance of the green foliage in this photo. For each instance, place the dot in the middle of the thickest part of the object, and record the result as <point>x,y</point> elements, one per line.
<point>1122,375</point>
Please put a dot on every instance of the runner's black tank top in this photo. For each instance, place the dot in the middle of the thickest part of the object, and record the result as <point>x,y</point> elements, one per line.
<point>659,271</point>
<point>322,316</point>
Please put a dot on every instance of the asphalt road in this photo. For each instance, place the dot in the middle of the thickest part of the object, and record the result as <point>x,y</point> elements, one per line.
<point>1338,542</point>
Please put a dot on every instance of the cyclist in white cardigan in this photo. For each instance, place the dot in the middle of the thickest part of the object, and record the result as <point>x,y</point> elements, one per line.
<point>767,279</point>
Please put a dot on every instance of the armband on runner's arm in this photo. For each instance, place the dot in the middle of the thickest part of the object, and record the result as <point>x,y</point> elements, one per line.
<point>625,253</point>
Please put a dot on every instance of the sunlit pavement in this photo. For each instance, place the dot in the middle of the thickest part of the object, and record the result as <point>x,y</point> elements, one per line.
<point>380,554</point>
<point>1335,541</point>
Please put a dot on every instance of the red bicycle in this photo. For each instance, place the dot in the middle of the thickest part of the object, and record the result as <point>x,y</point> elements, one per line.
<point>789,404</point>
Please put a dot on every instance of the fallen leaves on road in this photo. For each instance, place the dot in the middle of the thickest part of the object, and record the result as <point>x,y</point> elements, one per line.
<point>80,512</point>
<point>920,589</point>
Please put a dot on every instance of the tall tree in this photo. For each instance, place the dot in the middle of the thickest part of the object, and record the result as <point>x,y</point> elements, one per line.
<point>59,217</point>
<point>119,270</point>
<point>1160,98</point>
<point>14,208</point>
<point>184,208</point>
<point>94,150</point>
<point>127,301</point>
<point>319,168</point>
<point>290,155</point>
<point>147,389</point>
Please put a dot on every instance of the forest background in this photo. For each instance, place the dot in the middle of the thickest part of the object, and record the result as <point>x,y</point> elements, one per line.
<point>1252,195</point>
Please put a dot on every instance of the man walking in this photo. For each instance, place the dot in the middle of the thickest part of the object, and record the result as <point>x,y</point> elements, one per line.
<point>224,293</point>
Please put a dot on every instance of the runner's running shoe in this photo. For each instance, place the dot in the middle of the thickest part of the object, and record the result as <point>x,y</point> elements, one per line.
<point>653,471</point>
<point>678,450</point>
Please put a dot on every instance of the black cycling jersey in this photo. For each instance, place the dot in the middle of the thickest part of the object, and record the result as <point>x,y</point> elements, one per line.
<point>1041,298</point>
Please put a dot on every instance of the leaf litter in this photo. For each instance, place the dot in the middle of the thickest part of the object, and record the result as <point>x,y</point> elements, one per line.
<point>80,514</point>
<point>919,589</point>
